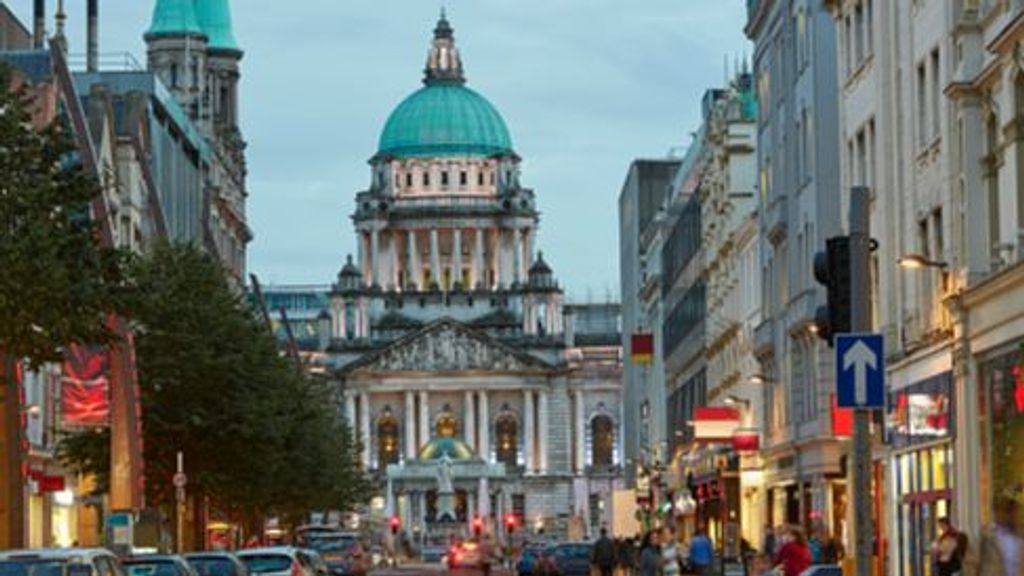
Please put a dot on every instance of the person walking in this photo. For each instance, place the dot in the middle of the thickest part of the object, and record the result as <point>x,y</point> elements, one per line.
<point>946,549</point>
<point>669,552</point>
<point>627,555</point>
<point>603,555</point>
<point>1000,549</point>
<point>795,556</point>
<point>650,555</point>
<point>702,553</point>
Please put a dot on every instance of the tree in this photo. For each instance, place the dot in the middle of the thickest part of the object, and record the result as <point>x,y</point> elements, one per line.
<point>258,435</point>
<point>58,286</point>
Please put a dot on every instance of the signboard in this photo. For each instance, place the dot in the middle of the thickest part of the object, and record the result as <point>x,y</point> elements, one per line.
<point>642,348</point>
<point>715,423</point>
<point>860,371</point>
<point>85,387</point>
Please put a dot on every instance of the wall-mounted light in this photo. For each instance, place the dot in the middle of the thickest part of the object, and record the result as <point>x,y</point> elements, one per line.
<point>914,261</point>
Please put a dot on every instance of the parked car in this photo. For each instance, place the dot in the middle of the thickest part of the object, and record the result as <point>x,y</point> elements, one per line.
<point>216,564</point>
<point>570,559</point>
<point>528,558</point>
<point>158,565</point>
<point>60,562</point>
<point>343,553</point>
<point>278,561</point>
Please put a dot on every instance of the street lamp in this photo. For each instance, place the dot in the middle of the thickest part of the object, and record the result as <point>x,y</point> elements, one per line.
<point>758,379</point>
<point>914,261</point>
<point>734,400</point>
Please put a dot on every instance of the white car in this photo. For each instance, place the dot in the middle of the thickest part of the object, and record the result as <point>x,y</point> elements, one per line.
<point>279,561</point>
<point>60,562</point>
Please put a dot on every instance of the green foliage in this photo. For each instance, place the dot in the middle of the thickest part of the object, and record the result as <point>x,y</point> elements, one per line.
<point>58,286</point>
<point>257,433</point>
<point>87,452</point>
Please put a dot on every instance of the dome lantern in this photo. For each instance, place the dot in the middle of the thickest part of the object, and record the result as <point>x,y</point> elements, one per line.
<point>349,279</point>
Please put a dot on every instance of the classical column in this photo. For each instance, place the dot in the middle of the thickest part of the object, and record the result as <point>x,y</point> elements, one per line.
<point>517,257</point>
<point>364,421</point>
<point>478,275</point>
<point>484,428</point>
<point>362,256</point>
<point>542,432</point>
<point>424,418</point>
<point>498,257</point>
<point>484,497</point>
<point>435,258</point>
<point>389,507</point>
<point>411,266</point>
<point>410,427</point>
<point>395,245</point>
<point>375,257</point>
<point>469,419</point>
<point>350,411</point>
<point>530,237</point>
<point>529,433</point>
<point>581,427</point>
<point>457,256</point>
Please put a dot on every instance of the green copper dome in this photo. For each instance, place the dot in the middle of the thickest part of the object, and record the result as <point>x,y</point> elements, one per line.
<point>445,120</point>
<point>174,18</point>
<point>215,18</point>
<point>453,448</point>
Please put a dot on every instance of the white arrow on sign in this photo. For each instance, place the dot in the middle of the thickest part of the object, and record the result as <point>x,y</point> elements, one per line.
<point>860,357</point>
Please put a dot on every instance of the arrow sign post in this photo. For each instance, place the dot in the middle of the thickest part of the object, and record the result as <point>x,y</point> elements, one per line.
<point>860,371</point>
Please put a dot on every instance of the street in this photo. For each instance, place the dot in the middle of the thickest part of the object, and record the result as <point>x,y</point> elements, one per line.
<point>417,569</point>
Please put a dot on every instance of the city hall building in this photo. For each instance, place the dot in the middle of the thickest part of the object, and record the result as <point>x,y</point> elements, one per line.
<point>449,336</point>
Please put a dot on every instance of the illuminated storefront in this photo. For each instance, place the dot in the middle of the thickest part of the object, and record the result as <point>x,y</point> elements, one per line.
<point>920,430</point>
<point>1002,407</point>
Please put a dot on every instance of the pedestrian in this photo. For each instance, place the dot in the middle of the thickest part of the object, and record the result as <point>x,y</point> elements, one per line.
<point>768,542</point>
<point>650,555</point>
<point>627,555</point>
<point>795,556</point>
<point>946,549</point>
<point>669,552</point>
<point>603,555</point>
<point>999,550</point>
<point>487,555</point>
<point>702,553</point>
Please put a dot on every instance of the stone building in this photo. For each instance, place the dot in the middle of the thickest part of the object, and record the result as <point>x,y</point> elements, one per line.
<point>449,334</point>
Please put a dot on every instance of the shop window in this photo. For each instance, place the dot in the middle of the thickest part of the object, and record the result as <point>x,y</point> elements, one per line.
<point>506,432</point>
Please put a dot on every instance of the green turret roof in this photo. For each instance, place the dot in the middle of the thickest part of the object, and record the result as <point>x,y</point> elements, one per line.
<point>174,18</point>
<point>215,19</point>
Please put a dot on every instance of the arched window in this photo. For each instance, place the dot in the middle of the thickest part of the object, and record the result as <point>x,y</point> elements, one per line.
<point>602,435</point>
<point>387,441</point>
<point>506,434</point>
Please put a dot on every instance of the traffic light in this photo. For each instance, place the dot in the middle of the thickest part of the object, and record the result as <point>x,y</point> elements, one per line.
<point>396,523</point>
<point>832,270</point>
<point>478,525</point>
<point>510,523</point>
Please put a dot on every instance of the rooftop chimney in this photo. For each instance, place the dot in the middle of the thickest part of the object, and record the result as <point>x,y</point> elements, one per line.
<point>92,36</point>
<point>39,23</point>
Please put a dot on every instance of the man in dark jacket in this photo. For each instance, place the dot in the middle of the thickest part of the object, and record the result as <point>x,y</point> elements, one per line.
<point>603,557</point>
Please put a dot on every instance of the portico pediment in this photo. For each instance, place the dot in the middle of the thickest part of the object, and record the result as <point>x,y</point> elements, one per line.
<point>447,346</point>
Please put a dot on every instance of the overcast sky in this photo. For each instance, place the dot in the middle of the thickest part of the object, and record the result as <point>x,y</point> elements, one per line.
<point>585,86</point>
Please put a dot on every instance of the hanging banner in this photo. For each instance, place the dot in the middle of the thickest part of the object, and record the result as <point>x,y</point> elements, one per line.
<point>642,348</point>
<point>85,387</point>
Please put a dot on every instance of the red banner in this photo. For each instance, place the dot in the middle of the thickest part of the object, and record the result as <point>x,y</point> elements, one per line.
<point>85,387</point>
<point>642,348</point>
<point>842,420</point>
<point>48,483</point>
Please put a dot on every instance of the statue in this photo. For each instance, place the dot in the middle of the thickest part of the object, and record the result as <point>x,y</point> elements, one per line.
<point>444,476</point>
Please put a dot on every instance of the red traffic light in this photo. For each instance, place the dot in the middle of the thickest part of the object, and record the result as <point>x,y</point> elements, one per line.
<point>510,523</point>
<point>396,523</point>
<point>478,525</point>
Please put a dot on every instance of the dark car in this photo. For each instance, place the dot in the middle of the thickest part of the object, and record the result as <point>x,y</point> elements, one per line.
<point>570,559</point>
<point>529,558</point>
<point>158,565</point>
<point>343,553</point>
<point>216,564</point>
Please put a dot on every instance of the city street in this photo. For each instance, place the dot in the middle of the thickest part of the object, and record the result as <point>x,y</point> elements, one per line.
<point>427,569</point>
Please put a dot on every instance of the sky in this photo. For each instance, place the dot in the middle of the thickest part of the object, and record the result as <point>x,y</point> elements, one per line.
<point>585,86</point>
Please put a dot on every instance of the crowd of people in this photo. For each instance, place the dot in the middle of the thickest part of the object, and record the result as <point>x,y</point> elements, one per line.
<point>786,551</point>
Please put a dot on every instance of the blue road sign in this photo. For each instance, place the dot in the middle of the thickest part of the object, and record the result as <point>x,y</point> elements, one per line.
<point>860,371</point>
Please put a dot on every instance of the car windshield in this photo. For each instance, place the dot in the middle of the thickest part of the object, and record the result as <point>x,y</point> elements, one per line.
<point>213,566</point>
<point>263,563</point>
<point>32,567</point>
<point>154,568</point>
<point>335,544</point>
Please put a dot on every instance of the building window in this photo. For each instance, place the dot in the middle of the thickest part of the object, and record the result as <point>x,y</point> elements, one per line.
<point>922,105</point>
<point>174,75</point>
<point>936,94</point>
<point>602,435</point>
<point>463,178</point>
<point>426,179</point>
<point>408,180</point>
<point>506,433</point>
<point>479,178</point>
<point>387,441</point>
<point>859,33</point>
<point>444,178</point>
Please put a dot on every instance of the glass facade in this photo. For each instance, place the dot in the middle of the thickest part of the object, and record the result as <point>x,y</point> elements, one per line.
<point>1003,393</point>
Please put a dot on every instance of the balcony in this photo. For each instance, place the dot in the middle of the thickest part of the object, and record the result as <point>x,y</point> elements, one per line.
<point>764,338</point>
<point>776,219</point>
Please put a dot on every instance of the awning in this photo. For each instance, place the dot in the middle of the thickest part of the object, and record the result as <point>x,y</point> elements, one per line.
<point>715,424</point>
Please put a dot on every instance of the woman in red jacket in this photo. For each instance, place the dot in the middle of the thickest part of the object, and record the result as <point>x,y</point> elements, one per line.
<point>795,556</point>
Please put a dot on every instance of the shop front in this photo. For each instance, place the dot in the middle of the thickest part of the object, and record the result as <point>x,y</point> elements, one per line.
<point>1002,417</point>
<point>713,481</point>
<point>920,422</point>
